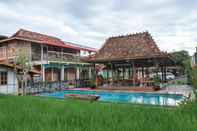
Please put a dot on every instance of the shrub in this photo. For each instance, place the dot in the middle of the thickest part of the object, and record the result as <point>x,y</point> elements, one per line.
<point>194,77</point>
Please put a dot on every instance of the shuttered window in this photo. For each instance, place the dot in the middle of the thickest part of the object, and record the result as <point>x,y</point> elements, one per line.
<point>3,78</point>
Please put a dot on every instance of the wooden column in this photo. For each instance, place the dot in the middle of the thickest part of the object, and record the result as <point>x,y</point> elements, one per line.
<point>107,74</point>
<point>89,72</point>
<point>62,73</point>
<point>123,68</point>
<point>162,73</point>
<point>129,72</point>
<point>43,73</point>
<point>52,74</point>
<point>142,72</point>
<point>42,66</point>
<point>112,74</point>
<point>133,69</point>
<point>165,79</point>
<point>77,73</point>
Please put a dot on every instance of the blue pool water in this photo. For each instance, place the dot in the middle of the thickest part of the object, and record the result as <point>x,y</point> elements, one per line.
<point>137,98</point>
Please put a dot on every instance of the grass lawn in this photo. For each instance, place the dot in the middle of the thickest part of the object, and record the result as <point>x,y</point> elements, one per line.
<point>48,114</point>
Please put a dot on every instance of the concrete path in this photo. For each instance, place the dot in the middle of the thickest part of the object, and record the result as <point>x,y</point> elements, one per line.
<point>177,89</point>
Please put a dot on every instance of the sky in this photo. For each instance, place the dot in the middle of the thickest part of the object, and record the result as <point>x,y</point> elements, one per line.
<point>172,23</point>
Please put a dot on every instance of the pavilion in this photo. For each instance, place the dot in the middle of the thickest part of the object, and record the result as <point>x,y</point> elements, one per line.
<point>129,60</point>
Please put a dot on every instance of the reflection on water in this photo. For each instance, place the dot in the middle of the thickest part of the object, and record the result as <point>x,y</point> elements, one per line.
<point>154,99</point>
<point>138,98</point>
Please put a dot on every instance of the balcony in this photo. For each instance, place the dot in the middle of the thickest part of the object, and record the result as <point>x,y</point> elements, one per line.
<point>60,56</point>
<point>7,53</point>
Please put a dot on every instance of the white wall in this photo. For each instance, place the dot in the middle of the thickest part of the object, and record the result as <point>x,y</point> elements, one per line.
<point>12,84</point>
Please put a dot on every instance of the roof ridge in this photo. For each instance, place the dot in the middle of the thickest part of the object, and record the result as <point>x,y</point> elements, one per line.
<point>38,33</point>
<point>130,34</point>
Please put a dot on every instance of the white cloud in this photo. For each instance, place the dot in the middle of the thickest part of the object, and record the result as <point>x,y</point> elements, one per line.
<point>172,23</point>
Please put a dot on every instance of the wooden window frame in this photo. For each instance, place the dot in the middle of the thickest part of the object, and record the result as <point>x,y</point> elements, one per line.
<point>3,78</point>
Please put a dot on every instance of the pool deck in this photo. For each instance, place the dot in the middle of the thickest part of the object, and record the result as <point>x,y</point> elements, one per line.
<point>177,89</point>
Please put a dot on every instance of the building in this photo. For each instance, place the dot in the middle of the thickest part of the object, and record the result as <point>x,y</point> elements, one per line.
<point>57,60</point>
<point>8,78</point>
<point>129,60</point>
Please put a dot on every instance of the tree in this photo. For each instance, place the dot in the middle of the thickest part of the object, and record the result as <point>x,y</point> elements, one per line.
<point>194,77</point>
<point>180,58</point>
<point>22,61</point>
<point>188,70</point>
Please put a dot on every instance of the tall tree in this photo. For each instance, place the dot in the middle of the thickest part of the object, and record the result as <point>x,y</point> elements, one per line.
<point>22,60</point>
<point>180,58</point>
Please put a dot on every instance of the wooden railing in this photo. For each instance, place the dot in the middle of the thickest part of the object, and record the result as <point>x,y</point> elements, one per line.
<point>6,53</point>
<point>2,53</point>
<point>58,56</point>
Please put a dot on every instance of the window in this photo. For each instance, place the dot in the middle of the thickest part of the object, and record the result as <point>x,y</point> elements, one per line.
<point>3,78</point>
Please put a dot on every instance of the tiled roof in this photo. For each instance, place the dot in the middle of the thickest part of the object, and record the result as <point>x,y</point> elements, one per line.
<point>134,46</point>
<point>45,39</point>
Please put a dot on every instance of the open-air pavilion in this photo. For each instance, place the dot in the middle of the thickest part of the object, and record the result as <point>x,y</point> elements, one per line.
<point>129,61</point>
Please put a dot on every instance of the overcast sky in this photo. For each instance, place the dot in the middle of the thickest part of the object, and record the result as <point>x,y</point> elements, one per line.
<point>172,23</point>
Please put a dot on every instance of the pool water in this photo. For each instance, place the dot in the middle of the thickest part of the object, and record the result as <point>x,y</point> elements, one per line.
<point>137,98</point>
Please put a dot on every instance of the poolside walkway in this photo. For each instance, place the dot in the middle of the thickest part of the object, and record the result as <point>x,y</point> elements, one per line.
<point>177,89</point>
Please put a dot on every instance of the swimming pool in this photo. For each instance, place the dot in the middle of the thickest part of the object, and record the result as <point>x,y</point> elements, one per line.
<point>137,98</point>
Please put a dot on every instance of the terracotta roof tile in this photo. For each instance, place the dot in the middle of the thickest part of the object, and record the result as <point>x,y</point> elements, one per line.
<point>139,45</point>
<point>46,39</point>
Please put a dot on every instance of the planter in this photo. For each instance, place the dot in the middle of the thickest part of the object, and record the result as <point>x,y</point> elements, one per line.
<point>156,88</point>
<point>82,97</point>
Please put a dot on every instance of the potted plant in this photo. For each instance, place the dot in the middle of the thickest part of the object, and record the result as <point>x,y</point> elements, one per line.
<point>157,82</point>
<point>92,84</point>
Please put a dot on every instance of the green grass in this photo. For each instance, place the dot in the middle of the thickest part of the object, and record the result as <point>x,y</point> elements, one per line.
<point>46,114</point>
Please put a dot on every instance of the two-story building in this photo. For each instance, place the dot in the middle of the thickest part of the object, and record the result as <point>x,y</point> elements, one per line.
<point>56,60</point>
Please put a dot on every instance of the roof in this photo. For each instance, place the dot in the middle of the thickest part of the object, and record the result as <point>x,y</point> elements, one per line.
<point>128,47</point>
<point>2,37</point>
<point>26,35</point>
<point>81,46</point>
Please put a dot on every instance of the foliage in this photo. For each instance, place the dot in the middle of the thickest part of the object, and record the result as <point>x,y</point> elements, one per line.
<point>194,77</point>
<point>157,80</point>
<point>188,70</point>
<point>27,113</point>
<point>22,60</point>
<point>180,57</point>
<point>92,84</point>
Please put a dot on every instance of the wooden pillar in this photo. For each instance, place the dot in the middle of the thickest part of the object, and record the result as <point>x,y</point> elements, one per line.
<point>77,73</point>
<point>43,73</point>
<point>142,72</point>
<point>112,73</point>
<point>165,79</point>
<point>90,72</point>
<point>42,66</point>
<point>62,73</point>
<point>133,69</point>
<point>129,68</point>
<point>162,74</point>
<point>107,74</point>
<point>123,68</point>
<point>52,74</point>
<point>94,71</point>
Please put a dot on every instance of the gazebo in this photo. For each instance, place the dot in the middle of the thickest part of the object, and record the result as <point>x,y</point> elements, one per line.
<point>130,60</point>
